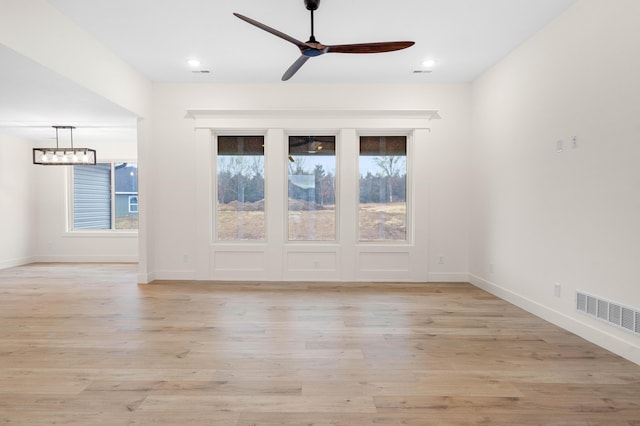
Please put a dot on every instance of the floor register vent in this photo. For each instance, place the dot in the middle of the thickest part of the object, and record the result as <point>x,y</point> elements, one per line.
<point>611,312</point>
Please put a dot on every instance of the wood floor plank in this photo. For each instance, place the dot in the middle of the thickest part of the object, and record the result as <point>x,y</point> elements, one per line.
<point>422,388</point>
<point>83,344</point>
<point>259,403</point>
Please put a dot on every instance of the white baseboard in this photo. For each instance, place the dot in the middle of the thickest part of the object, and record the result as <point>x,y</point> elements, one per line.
<point>86,259</point>
<point>448,277</point>
<point>187,275</point>
<point>11,263</point>
<point>174,275</point>
<point>588,332</point>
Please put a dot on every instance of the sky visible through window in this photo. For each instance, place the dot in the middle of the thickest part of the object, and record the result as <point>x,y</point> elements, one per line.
<point>367,164</point>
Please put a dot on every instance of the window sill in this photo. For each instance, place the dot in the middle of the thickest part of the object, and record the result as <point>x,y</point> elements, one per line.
<point>102,234</point>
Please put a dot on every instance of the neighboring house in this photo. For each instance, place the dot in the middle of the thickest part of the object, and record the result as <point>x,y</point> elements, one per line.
<point>126,189</point>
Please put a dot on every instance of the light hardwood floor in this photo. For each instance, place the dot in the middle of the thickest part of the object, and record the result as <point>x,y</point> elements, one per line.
<point>84,345</point>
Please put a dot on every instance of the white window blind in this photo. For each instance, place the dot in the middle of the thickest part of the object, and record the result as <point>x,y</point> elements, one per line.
<point>92,196</point>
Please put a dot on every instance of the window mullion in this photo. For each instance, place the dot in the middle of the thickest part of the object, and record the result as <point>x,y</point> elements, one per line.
<point>112,193</point>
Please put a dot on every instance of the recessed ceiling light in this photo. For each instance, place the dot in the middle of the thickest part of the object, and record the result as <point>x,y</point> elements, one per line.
<point>428,63</point>
<point>193,62</point>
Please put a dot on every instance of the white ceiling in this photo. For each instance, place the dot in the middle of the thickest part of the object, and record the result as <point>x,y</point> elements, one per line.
<point>465,37</point>
<point>33,98</point>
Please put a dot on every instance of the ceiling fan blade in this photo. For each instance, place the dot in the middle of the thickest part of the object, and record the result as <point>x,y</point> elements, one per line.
<point>294,67</point>
<point>388,46</point>
<point>271,30</point>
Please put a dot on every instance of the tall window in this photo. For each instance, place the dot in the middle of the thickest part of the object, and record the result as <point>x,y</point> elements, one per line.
<point>240,199</point>
<point>312,197</point>
<point>383,188</point>
<point>102,196</point>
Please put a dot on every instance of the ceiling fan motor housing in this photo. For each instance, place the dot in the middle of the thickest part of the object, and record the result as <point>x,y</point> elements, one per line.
<point>311,4</point>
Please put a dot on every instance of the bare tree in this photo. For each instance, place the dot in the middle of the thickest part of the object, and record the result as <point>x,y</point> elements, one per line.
<point>391,165</point>
<point>239,168</point>
<point>297,165</point>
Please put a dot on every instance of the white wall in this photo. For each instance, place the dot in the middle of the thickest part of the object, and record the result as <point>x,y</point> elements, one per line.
<point>54,242</point>
<point>540,217</point>
<point>17,212</point>
<point>443,163</point>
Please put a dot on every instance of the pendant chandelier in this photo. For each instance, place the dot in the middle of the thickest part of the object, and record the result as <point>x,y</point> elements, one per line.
<point>64,156</point>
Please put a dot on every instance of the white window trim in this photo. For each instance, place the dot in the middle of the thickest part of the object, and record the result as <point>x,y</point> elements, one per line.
<point>213,190</point>
<point>313,132</point>
<point>408,188</point>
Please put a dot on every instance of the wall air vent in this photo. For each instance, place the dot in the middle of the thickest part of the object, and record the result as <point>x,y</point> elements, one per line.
<point>610,312</point>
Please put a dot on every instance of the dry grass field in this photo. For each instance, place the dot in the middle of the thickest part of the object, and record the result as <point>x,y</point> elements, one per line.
<point>310,222</point>
<point>383,221</point>
<point>127,222</point>
<point>307,222</point>
<point>240,225</point>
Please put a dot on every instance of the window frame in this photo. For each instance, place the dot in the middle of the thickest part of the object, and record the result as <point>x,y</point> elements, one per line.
<point>409,194</point>
<point>336,182</point>
<point>213,179</point>
<point>131,197</point>
<point>112,232</point>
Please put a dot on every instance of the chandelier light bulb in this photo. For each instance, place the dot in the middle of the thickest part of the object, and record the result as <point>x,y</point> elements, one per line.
<point>63,156</point>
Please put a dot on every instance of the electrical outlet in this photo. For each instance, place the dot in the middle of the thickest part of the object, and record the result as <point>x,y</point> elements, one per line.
<point>491,268</point>
<point>440,260</point>
<point>185,258</point>
<point>557,290</point>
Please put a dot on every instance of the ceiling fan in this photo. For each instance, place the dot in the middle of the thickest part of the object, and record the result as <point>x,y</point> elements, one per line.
<point>313,47</point>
